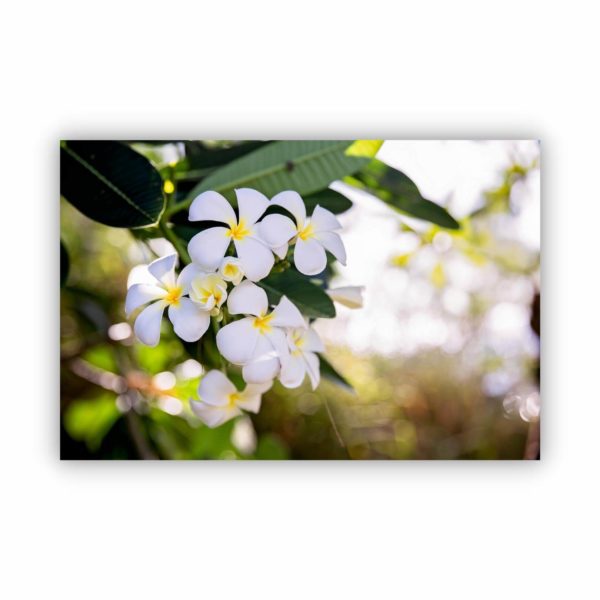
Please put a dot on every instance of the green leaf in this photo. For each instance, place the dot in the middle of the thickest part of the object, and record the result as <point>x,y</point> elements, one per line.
<point>110,183</point>
<point>328,372</point>
<point>271,447</point>
<point>304,166</point>
<point>400,193</point>
<point>90,420</point>
<point>310,299</point>
<point>329,199</point>
<point>64,264</point>
<point>198,155</point>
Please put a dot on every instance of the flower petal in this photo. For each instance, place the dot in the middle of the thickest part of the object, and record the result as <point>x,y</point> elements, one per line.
<point>333,243</point>
<point>237,341</point>
<point>261,371</point>
<point>292,202</point>
<point>293,369</point>
<point>309,257</point>
<point>252,389</point>
<point>286,314</point>
<point>350,295</point>
<point>140,274</point>
<point>278,341</point>
<point>211,206</point>
<point>188,274</point>
<point>147,325</point>
<point>215,389</point>
<point>276,230</point>
<point>251,204</point>
<point>257,260</point>
<point>213,416</point>
<point>312,342</point>
<point>189,321</point>
<point>281,251</point>
<point>312,368</point>
<point>231,270</point>
<point>139,294</point>
<point>208,247</point>
<point>247,299</point>
<point>163,269</point>
<point>324,220</point>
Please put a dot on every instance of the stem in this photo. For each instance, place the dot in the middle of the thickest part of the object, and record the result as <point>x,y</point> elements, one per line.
<point>181,249</point>
<point>175,208</point>
<point>334,427</point>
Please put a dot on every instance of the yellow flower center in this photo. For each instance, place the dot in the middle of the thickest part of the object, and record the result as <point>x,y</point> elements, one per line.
<point>233,398</point>
<point>262,323</point>
<point>205,288</point>
<point>230,270</point>
<point>306,232</point>
<point>238,231</point>
<point>173,295</point>
<point>299,341</point>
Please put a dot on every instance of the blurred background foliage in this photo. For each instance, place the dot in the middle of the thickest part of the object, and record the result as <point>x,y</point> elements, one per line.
<point>442,363</point>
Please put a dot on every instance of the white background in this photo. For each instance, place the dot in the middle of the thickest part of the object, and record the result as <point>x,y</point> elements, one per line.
<point>150,69</point>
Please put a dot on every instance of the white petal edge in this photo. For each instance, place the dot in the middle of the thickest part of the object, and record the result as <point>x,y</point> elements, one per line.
<point>163,269</point>
<point>324,220</point>
<point>208,247</point>
<point>247,299</point>
<point>237,341</point>
<point>276,230</point>
<point>250,398</point>
<point>212,206</point>
<point>139,294</point>
<point>333,243</point>
<point>257,260</point>
<point>213,416</point>
<point>286,314</point>
<point>292,202</point>
<point>215,388</point>
<point>350,296</point>
<point>312,342</point>
<point>188,274</point>
<point>261,371</point>
<point>312,368</point>
<point>293,369</point>
<point>189,321</point>
<point>281,251</point>
<point>140,274</point>
<point>251,204</point>
<point>309,257</point>
<point>147,325</point>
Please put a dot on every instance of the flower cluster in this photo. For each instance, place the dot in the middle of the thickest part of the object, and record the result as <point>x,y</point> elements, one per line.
<point>265,342</point>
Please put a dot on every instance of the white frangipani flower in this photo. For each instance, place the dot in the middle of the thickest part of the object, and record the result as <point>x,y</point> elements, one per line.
<point>207,290</point>
<point>220,401</point>
<point>231,270</point>
<point>349,295</point>
<point>208,247</point>
<point>189,320</point>
<point>301,359</point>
<point>312,236</point>
<point>257,341</point>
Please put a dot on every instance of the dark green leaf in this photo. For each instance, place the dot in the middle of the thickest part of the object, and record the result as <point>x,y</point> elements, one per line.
<point>110,183</point>
<point>329,199</point>
<point>304,166</point>
<point>328,372</point>
<point>64,264</point>
<point>310,299</point>
<point>401,193</point>
<point>201,156</point>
